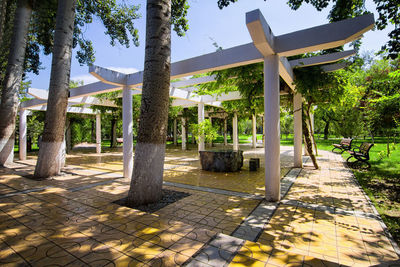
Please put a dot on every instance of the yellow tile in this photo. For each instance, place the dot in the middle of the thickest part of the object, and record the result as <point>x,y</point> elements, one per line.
<point>256,251</point>
<point>241,260</point>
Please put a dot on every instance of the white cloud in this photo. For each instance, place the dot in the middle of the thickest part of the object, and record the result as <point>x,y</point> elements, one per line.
<point>86,78</point>
<point>123,70</point>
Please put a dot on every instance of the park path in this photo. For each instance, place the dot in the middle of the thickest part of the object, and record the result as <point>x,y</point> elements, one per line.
<point>324,219</point>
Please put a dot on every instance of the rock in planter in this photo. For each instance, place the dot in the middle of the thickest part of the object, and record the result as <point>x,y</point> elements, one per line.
<point>221,160</point>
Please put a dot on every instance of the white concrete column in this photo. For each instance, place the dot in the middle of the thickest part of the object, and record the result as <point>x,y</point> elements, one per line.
<point>98,133</point>
<point>211,142</point>
<point>235,132</point>
<point>183,133</point>
<point>200,116</point>
<point>254,132</point>
<point>225,132</point>
<point>271,114</point>
<point>22,134</point>
<point>127,131</point>
<point>298,130</point>
<point>263,131</point>
<point>175,138</point>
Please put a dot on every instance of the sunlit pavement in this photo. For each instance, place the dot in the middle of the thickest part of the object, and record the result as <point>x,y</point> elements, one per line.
<point>324,219</point>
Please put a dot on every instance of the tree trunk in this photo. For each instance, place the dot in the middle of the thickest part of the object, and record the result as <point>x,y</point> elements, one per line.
<point>308,142</point>
<point>51,158</point>
<point>68,141</point>
<point>113,142</point>
<point>147,176</point>
<point>326,130</point>
<point>311,130</point>
<point>93,132</point>
<point>372,135</point>
<point>12,82</point>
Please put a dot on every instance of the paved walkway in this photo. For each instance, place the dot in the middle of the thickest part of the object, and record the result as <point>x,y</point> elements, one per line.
<point>324,219</point>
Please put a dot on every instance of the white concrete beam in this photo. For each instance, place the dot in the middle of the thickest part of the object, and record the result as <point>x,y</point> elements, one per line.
<point>334,67</point>
<point>223,97</point>
<point>38,93</point>
<point>92,89</point>
<point>81,110</point>
<point>323,37</point>
<point>90,100</point>
<point>43,94</point>
<point>227,58</point>
<point>33,103</point>
<point>183,103</point>
<point>260,32</point>
<point>108,76</point>
<point>193,81</point>
<point>322,59</point>
<point>286,72</point>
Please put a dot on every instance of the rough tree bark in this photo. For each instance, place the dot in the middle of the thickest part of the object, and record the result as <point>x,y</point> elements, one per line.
<point>12,81</point>
<point>113,142</point>
<point>68,137</point>
<point>51,157</point>
<point>311,127</point>
<point>307,140</point>
<point>326,129</point>
<point>147,176</point>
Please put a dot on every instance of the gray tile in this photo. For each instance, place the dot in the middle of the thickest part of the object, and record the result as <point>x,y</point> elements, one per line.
<point>226,242</point>
<point>214,256</point>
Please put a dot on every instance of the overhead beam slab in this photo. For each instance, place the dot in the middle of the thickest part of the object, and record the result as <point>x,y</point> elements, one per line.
<point>322,59</point>
<point>323,37</point>
<point>107,75</point>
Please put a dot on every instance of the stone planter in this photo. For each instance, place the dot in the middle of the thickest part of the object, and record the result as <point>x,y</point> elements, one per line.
<point>221,160</point>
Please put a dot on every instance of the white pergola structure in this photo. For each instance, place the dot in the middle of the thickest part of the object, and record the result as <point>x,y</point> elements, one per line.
<point>267,48</point>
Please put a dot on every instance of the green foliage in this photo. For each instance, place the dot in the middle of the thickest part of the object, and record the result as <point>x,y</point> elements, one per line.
<point>6,38</point>
<point>318,87</point>
<point>35,124</point>
<point>286,121</point>
<point>248,80</point>
<point>179,11</point>
<point>206,129</point>
<point>117,18</point>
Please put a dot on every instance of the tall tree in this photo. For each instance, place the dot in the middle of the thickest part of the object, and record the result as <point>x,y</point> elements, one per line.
<point>147,177</point>
<point>50,158</point>
<point>12,81</point>
<point>118,20</point>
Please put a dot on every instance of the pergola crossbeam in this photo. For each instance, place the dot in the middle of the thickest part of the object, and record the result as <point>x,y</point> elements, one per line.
<point>322,59</point>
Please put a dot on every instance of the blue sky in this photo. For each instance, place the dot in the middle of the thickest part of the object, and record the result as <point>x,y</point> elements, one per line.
<point>207,23</point>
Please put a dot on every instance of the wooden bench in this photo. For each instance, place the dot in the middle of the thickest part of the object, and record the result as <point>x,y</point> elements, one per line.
<point>361,154</point>
<point>345,145</point>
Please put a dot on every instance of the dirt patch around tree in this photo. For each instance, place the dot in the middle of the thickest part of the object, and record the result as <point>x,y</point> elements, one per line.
<point>169,197</point>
